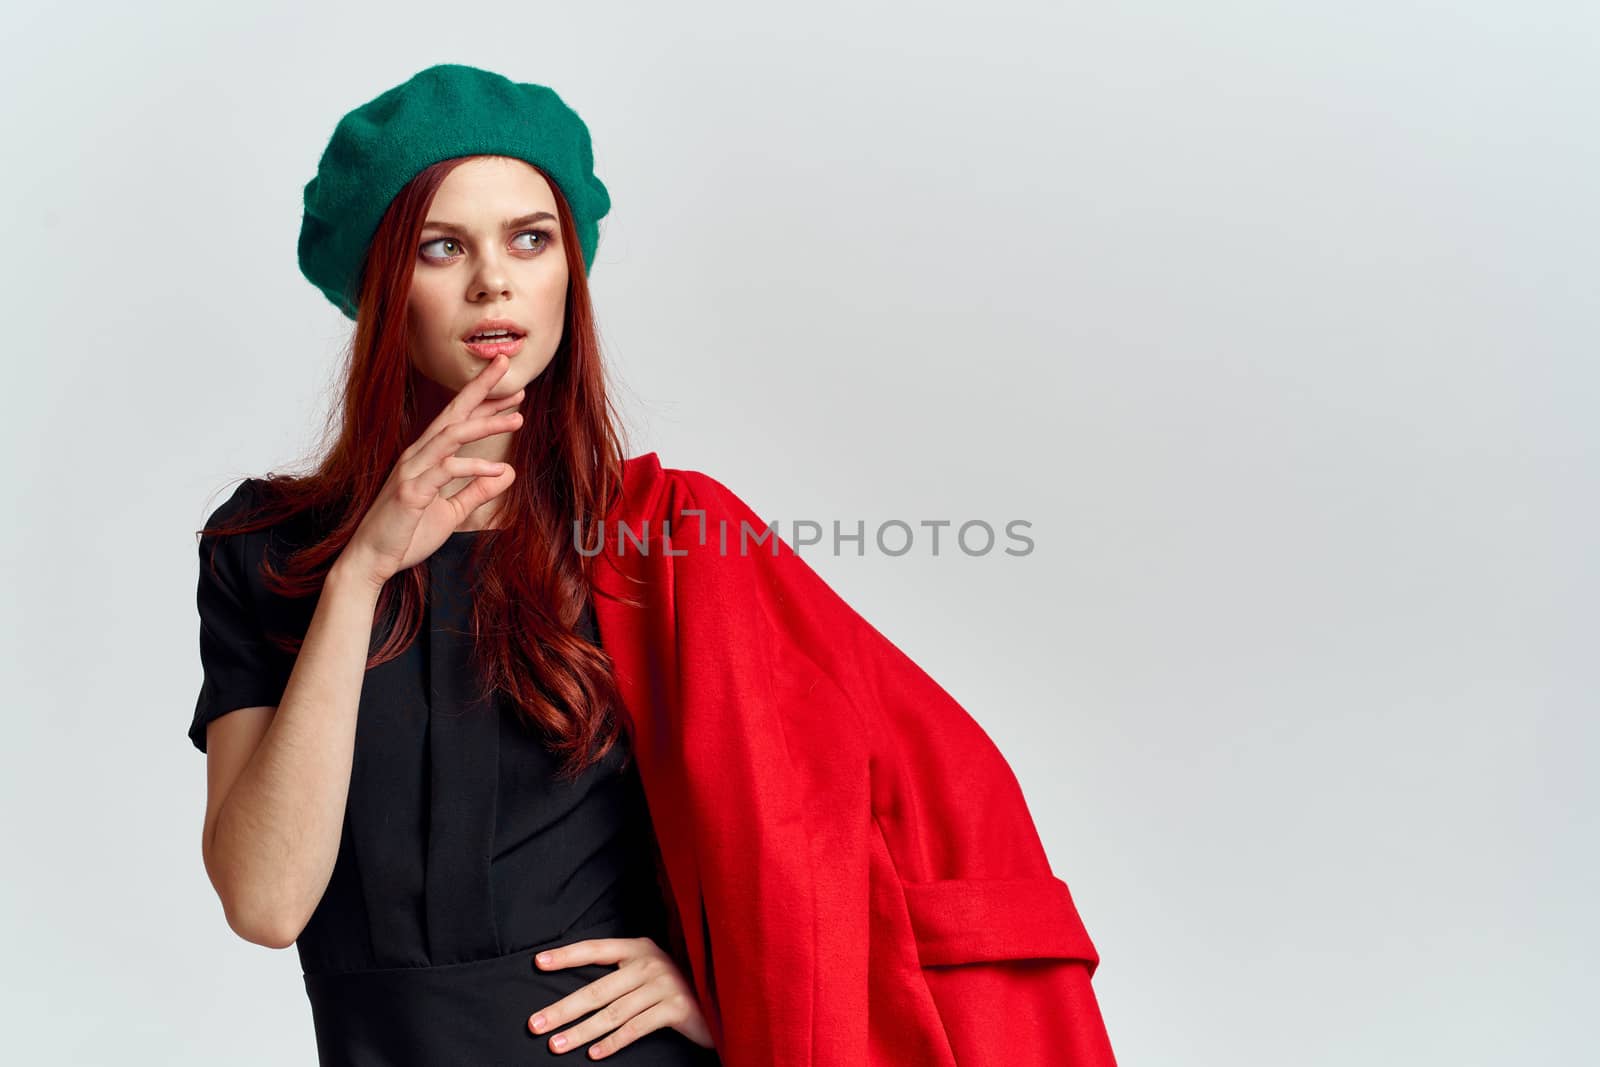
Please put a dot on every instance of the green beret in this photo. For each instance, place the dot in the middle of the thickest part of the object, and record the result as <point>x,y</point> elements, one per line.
<point>445,111</point>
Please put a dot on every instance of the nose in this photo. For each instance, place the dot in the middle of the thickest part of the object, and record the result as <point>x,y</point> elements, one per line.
<point>491,278</point>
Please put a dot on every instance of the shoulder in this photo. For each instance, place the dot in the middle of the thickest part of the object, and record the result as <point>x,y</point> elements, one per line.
<point>249,525</point>
<point>654,491</point>
<point>240,508</point>
<point>693,508</point>
<point>702,489</point>
<point>229,579</point>
<point>685,488</point>
<point>245,498</point>
<point>235,565</point>
<point>263,505</point>
<point>234,551</point>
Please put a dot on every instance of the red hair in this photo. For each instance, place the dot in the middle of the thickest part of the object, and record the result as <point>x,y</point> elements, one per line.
<point>568,456</point>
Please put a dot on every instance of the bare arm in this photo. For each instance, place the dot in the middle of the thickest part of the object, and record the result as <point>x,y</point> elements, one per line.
<point>277,778</point>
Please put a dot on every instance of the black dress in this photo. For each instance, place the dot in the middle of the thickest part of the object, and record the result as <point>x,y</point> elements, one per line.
<point>461,856</point>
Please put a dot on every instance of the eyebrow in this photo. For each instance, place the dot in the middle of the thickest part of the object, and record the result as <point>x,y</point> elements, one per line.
<point>520,220</point>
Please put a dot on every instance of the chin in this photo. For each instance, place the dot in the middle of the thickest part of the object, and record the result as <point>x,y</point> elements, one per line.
<point>507,385</point>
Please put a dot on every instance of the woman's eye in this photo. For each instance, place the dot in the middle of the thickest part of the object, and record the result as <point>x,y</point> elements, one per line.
<point>544,239</point>
<point>438,241</point>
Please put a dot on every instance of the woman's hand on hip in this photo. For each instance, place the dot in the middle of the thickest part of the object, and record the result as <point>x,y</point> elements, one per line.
<point>646,992</point>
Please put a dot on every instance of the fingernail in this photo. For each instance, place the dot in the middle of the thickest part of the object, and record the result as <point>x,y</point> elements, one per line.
<point>538,1022</point>
<point>559,1041</point>
<point>543,957</point>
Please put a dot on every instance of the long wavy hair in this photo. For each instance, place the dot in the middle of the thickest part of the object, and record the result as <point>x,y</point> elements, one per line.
<point>532,580</point>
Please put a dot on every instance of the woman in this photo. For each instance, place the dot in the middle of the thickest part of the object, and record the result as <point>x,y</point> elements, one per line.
<point>477,689</point>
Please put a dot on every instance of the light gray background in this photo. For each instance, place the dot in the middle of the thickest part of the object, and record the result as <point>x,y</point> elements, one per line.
<point>1276,320</point>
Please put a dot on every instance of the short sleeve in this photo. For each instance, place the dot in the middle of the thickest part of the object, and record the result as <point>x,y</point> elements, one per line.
<point>242,668</point>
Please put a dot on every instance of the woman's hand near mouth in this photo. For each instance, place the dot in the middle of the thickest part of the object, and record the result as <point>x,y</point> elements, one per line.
<point>409,520</point>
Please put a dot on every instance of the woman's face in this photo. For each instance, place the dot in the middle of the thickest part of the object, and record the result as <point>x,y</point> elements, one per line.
<point>490,249</point>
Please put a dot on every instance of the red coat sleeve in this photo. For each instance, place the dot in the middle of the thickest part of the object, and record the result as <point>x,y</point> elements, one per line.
<point>958,866</point>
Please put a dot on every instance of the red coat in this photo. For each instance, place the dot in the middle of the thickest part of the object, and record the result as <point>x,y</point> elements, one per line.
<point>853,875</point>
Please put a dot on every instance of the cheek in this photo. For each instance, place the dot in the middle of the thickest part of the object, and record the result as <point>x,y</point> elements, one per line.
<point>425,299</point>
<point>553,298</point>
<point>422,332</point>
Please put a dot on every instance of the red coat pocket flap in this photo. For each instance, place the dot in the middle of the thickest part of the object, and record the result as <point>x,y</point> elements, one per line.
<point>971,920</point>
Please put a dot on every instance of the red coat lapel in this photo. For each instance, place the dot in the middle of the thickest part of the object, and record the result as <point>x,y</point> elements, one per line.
<point>706,684</point>
<point>641,642</point>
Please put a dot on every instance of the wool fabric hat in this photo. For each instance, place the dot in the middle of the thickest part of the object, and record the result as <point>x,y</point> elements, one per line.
<point>444,111</point>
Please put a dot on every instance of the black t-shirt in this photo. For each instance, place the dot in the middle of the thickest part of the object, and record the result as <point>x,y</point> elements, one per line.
<point>461,854</point>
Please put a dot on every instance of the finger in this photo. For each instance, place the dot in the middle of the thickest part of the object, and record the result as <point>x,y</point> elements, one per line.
<point>496,404</point>
<point>504,405</point>
<point>468,398</point>
<point>616,1012</point>
<point>450,468</point>
<point>594,950</point>
<point>476,391</point>
<point>479,491</point>
<point>446,441</point>
<point>592,997</point>
<point>657,1016</point>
